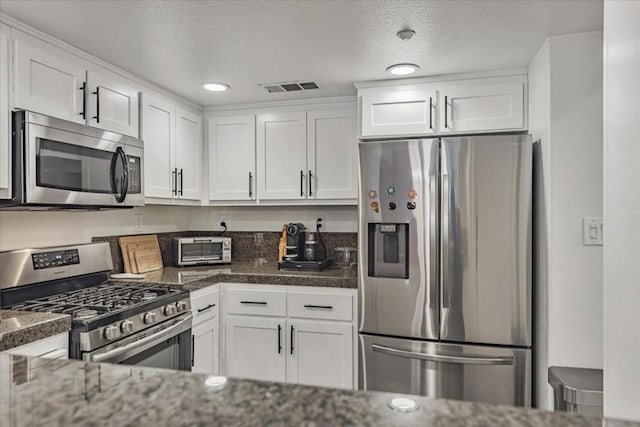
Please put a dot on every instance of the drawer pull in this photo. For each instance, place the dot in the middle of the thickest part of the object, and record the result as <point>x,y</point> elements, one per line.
<point>254,302</point>
<point>200,310</point>
<point>328,307</point>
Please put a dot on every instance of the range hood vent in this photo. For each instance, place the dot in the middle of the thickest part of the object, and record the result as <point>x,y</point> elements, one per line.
<point>296,86</point>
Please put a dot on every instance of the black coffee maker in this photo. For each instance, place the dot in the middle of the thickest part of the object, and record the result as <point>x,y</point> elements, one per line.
<point>295,242</point>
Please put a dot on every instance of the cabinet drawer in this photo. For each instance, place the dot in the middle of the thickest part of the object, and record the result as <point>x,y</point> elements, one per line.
<point>310,305</point>
<point>256,302</point>
<point>205,304</point>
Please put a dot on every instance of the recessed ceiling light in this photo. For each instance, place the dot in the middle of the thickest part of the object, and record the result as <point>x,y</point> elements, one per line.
<point>405,34</point>
<point>402,69</point>
<point>216,87</point>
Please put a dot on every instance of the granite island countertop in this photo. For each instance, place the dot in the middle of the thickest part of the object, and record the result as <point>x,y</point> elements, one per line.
<point>257,272</point>
<point>23,327</point>
<point>70,393</point>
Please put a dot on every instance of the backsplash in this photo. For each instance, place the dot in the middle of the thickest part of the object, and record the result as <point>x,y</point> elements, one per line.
<point>247,246</point>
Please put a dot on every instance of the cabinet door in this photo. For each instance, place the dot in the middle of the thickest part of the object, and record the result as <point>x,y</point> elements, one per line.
<point>189,154</point>
<point>320,353</point>
<point>332,149</point>
<point>48,80</point>
<point>255,348</point>
<point>482,105</point>
<point>205,347</point>
<point>399,110</point>
<point>282,156</point>
<point>158,134</point>
<point>5,128</point>
<point>112,104</point>
<point>232,158</point>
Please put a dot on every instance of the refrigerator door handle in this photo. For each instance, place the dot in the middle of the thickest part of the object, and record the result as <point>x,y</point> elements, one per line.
<point>444,269</point>
<point>465,360</point>
<point>433,242</point>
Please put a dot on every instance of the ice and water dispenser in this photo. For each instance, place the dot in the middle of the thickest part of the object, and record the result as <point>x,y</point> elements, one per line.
<point>388,250</point>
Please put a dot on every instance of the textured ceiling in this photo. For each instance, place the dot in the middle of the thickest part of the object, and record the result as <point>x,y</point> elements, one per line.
<point>181,44</point>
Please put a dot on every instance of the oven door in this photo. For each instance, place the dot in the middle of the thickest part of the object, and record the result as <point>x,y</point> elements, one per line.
<point>167,346</point>
<point>200,251</point>
<point>68,168</point>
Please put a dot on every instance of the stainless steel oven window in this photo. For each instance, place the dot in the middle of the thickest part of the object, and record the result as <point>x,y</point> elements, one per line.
<point>201,251</point>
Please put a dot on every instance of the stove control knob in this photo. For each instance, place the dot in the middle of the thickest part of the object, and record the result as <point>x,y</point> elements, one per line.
<point>181,306</point>
<point>149,317</point>
<point>126,327</point>
<point>111,332</point>
<point>170,310</point>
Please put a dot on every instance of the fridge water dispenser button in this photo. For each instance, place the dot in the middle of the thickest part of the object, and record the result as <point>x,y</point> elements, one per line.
<point>411,205</point>
<point>392,206</point>
<point>373,194</point>
<point>375,207</point>
<point>391,190</point>
<point>412,194</point>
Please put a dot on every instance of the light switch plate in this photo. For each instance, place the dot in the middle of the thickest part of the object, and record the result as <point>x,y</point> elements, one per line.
<point>592,231</point>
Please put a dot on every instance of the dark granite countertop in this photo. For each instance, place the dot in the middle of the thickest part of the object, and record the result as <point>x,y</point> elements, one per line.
<point>19,327</point>
<point>257,272</point>
<point>74,393</point>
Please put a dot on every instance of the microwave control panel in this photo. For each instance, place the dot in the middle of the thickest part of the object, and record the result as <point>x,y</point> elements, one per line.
<point>135,175</point>
<point>53,259</point>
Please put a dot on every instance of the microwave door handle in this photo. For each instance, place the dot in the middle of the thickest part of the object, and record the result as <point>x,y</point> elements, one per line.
<point>125,175</point>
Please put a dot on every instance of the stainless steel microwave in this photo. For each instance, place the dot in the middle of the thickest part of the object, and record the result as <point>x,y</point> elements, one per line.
<point>201,250</point>
<point>59,164</point>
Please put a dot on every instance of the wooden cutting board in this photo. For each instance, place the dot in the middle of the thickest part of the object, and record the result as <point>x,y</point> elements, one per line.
<point>146,260</point>
<point>147,242</point>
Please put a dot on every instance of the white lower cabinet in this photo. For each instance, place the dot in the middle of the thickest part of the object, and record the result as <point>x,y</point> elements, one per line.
<point>315,350</point>
<point>54,347</point>
<point>206,339</point>
<point>255,348</point>
<point>320,353</point>
<point>205,332</point>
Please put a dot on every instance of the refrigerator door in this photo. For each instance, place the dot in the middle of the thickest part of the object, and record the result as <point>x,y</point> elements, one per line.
<point>398,238</point>
<point>496,375</point>
<point>486,240</point>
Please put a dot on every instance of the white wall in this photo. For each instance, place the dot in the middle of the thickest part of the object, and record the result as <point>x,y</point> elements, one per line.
<point>271,218</point>
<point>40,229</point>
<point>622,209</point>
<point>565,115</point>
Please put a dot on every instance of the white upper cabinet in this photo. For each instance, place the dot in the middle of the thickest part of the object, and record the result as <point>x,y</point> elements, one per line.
<point>172,149</point>
<point>188,154</point>
<point>282,155</point>
<point>332,148</point>
<point>393,110</point>
<point>5,115</point>
<point>320,353</point>
<point>232,158</point>
<point>158,134</point>
<point>112,104</point>
<point>48,80</point>
<point>482,105</point>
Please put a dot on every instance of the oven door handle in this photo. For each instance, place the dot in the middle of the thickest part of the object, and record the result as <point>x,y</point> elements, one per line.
<point>143,344</point>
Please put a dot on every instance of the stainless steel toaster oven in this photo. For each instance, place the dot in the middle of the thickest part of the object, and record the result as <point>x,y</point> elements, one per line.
<point>201,250</point>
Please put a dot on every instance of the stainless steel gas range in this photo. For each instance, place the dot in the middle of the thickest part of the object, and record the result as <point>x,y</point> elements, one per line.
<point>117,322</point>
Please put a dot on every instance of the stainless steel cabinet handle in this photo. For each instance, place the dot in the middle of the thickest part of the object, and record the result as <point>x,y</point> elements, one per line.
<point>279,339</point>
<point>291,339</point>
<point>254,302</point>
<point>310,192</point>
<point>301,183</point>
<point>200,310</point>
<point>83,88</point>
<point>328,307</point>
<point>193,348</point>
<point>174,190</point>
<point>465,360</point>
<point>445,112</point>
<point>97,94</point>
<point>181,181</point>
<point>250,185</point>
<point>446,224</point>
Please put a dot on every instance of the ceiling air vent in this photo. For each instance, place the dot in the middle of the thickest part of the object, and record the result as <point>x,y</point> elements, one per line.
<point>289,86</point>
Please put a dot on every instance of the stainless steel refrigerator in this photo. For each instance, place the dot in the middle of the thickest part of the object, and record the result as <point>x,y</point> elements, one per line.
<point>445,268</point>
